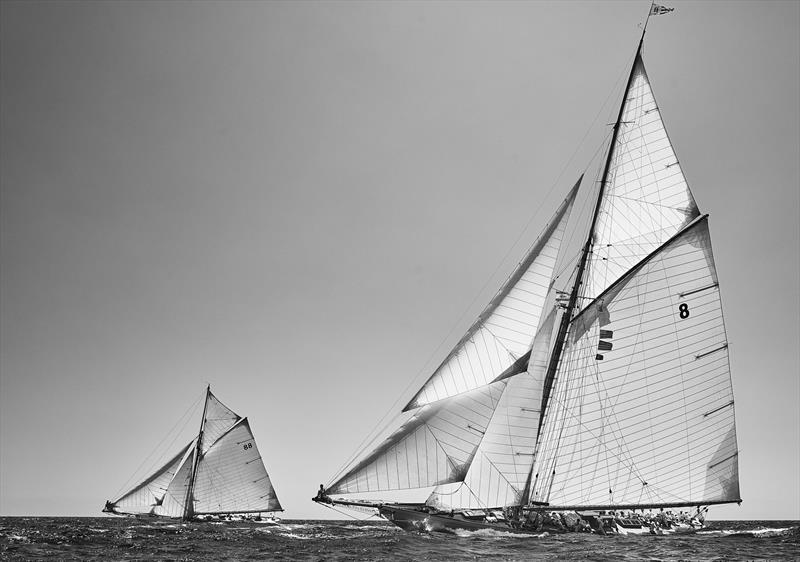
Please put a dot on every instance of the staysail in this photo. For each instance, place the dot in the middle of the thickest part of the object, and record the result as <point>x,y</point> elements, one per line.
<point>501,466</point>
<point>642,409</point>
<point>225,474</point>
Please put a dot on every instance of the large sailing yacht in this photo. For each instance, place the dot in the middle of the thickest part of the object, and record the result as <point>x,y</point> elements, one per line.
<point>571,407</point>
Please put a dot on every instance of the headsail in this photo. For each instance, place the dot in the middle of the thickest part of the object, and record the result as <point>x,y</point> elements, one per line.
<point>504,330</point>
<point>148,495</point>
<point>642,409</point>
<point>435,446</point>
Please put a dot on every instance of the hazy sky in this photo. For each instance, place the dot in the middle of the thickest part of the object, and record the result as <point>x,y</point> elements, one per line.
<point>306,204</point>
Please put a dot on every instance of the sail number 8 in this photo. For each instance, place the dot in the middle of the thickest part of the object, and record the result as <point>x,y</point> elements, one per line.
<point>683,310</point>
<point>247,446</point>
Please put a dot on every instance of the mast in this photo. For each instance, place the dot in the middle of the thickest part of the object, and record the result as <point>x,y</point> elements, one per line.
<point>587,248</point>
<point>188,509</point>
<point>566,316</point>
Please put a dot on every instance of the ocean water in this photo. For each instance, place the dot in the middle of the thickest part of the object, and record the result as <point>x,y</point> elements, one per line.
<point>108,538</point>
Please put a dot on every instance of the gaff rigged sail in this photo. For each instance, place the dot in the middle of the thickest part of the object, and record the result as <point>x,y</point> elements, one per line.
<point>221,471</point>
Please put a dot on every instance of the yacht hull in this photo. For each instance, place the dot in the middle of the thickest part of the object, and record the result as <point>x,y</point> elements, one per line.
<point>410,519</point>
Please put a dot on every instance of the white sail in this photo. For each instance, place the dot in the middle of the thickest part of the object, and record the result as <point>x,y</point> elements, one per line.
<point>173,504</point>
<point>501,468</point>
<point>646,199</point>
<point>433,447</point>
<point>218,420</point>
<point>150,493</point>
<point>231,476</point>
<point>641,411</point>
<point>504,330</point>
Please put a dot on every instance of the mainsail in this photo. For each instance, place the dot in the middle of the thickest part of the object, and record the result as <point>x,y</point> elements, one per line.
<point>642,411</point>
<point>220,471</point>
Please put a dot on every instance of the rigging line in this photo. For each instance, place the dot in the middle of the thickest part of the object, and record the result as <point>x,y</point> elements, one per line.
<point>185,417</point>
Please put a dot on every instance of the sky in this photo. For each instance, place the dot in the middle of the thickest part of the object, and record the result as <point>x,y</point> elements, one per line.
<point>306,204</point>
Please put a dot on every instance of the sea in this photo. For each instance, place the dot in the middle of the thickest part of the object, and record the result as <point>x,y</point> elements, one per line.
<point>108,538</point>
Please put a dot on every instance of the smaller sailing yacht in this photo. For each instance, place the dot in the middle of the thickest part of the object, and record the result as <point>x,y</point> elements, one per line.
<point>219,475</point>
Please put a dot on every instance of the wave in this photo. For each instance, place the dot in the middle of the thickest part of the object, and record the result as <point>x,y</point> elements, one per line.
<point>496,534</point>
<point>760,532</point>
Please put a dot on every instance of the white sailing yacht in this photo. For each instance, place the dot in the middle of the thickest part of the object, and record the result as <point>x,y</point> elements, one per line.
<point>572,407</point>
<point>219,474</point>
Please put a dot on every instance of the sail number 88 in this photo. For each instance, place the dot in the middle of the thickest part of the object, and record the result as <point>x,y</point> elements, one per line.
<point>247,446</point>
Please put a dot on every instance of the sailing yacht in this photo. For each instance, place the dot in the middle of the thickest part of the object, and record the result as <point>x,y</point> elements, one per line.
<point>218,475</point>
<point>604,404</point>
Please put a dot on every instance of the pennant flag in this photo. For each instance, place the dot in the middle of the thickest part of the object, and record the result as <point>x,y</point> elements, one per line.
<point>657,10</point>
